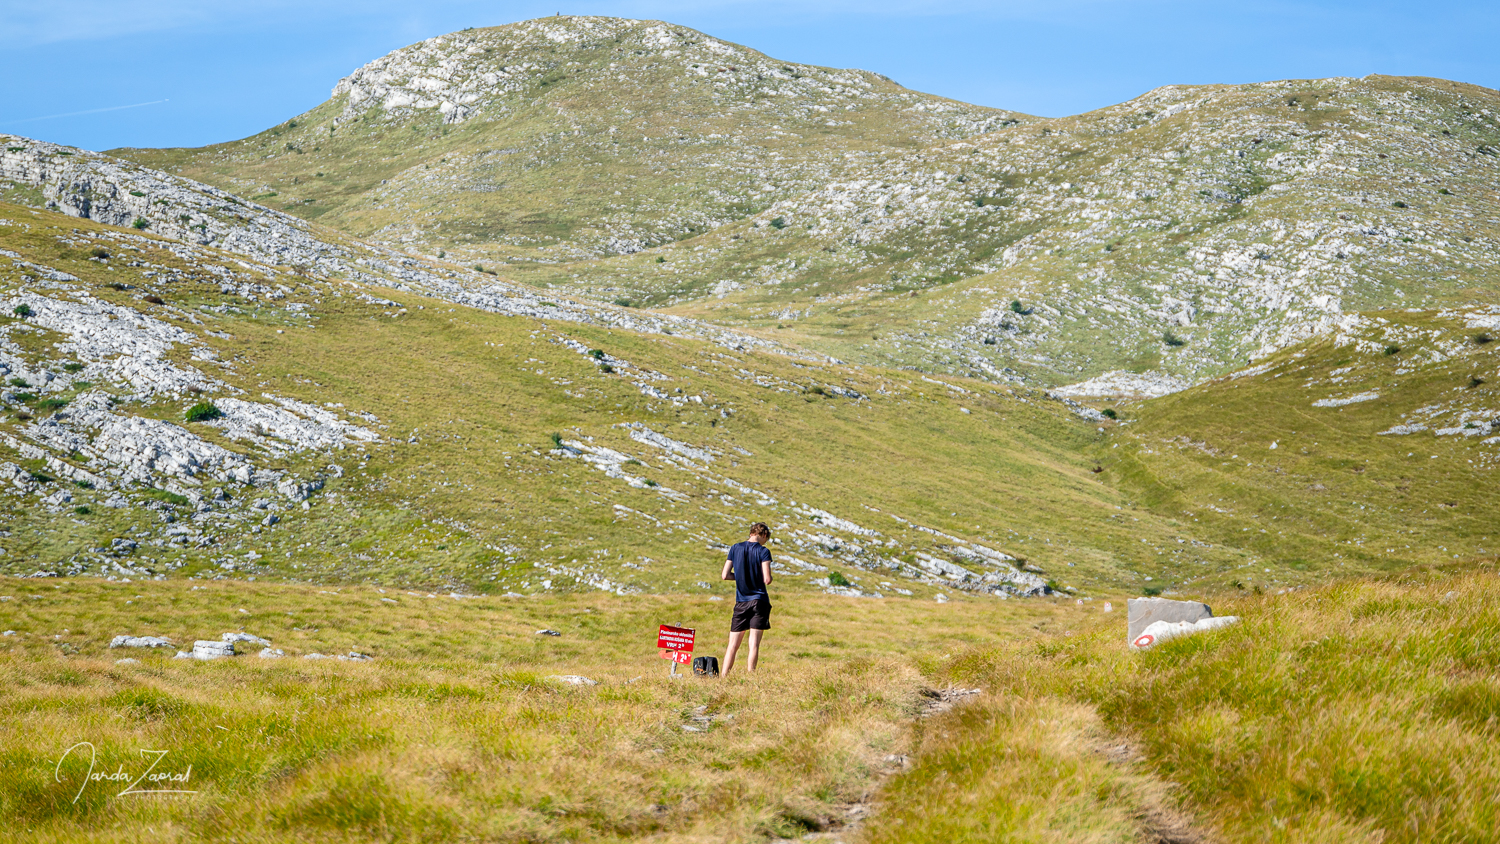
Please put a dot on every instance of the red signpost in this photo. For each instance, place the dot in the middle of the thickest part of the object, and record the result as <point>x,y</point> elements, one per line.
<point>676,644</point>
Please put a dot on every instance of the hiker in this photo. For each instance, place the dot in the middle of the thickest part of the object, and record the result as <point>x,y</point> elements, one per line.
<point>749,566</point>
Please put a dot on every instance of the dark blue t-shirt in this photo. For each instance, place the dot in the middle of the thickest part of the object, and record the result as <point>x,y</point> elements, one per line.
<point>749,578</point>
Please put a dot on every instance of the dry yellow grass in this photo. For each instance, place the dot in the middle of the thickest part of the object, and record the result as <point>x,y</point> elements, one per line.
<point>454,731</point>
<point>1360,711</point>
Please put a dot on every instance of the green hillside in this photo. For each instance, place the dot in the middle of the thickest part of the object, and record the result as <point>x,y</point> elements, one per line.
<point>571,137</point>
<point>1178,234</point>
<point>507,453</point>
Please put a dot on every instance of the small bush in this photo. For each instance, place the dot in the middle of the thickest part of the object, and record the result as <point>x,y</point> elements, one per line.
<point>1445,192</point>
<point>624,303</point>
<point>1017,307</point>
<point>50,405</point>
<point>606,368</point>
<point>73,367</point>
<point>23,310</point>
<point>155,300</point>
<point>203,411</point>
<point>40,477</point>
<point>169,497</point>
<point>1392,350</point>
<point>556,440</point>
<point>650,482</point>
<point>778,223</point>
<point>1152,591</point>
<point>83,484</point>
<point>596,354</point>
<point>660,259</point>
<point>141,223</point>
<point>137,193</point>
<point>82,511</point>
<point>25,397</point>
<point>1398,204</point>
<point>837,579</point>
<point>1110,413</point>
<point>441,253</point>
<point>1481,339</point>
<point>1475,381</point>
<point>1172,339</point>
<point>99,252</point>
<point>18,382</point>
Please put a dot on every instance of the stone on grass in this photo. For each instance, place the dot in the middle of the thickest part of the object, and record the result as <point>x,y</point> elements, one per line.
<point>1142,612</point>
<point>246,638</point>
<point>548,633</point>
<point>573,679</point>
<point>127,661</point>
<point>209,649</point>
<point>1164,631</point>
<point>140,642</point>
<point>356,656</point>
<point>271,653</point>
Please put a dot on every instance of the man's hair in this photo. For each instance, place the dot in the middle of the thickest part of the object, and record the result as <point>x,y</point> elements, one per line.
<point>759,529</point>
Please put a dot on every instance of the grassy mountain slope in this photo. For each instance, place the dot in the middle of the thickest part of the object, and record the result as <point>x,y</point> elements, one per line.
<point>1182,232</point>
<point>665,447</point>
<point>1373,449</point>
<point>571,137</point>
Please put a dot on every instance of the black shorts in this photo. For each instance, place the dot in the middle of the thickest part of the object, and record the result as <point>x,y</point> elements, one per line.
<point>751,615</point>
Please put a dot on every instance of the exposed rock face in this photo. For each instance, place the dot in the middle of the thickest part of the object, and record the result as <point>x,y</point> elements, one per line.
<point>108,190</point>
<point>1143,612</point>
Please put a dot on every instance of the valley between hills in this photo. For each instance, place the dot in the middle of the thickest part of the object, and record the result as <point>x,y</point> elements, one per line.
<point>523,326</point>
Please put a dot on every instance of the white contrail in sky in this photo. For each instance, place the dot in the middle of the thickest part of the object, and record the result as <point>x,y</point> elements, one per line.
<point>76,113</point>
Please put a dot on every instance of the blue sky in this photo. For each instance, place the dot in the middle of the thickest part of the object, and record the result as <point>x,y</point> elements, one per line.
<point>215,71</point>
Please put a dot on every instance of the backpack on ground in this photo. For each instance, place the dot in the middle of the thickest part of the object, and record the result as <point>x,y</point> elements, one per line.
<point>706,666</point>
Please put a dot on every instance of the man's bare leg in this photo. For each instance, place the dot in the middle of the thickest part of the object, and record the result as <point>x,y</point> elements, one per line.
<point>755,648</point>
<point>734,647</point>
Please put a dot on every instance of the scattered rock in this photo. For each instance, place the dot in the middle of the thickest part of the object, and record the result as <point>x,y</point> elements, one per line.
<point>209,649</point>
<point>573,679</point>
<point>127,661</point>
<point>271,653</point>
<point>246,638</point>
<point>1142,612</point>
<point>356,656</point>
<point>138,642</point>
<point>1162,631</point>
<point>548,633</point>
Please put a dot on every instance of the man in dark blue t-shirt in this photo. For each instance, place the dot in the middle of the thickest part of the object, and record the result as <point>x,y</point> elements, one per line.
<point>749,566</point>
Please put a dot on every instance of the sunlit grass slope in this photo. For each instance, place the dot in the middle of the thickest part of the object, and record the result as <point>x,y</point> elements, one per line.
<point>456,730</point>
<point>1362,711</point>
<point>1370,450</point>
<point>467,489</point>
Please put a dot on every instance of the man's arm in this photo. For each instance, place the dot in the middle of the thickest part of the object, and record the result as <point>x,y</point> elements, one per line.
<point>765,569</point>
<point>728,573</point>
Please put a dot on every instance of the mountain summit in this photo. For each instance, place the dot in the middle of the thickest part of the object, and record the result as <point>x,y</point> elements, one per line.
<point>1152,244</point>
<point>573,137</point>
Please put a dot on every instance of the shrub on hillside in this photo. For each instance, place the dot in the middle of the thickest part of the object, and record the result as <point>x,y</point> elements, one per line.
<point>141,223</point>
<point>837,579</point>
<point>1172,339</point>
<point>203,411</point>
<point>23,310</point>
<point>778,223</point>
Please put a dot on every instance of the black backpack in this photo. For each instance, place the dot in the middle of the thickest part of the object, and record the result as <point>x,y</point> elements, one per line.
<point>706,666</point>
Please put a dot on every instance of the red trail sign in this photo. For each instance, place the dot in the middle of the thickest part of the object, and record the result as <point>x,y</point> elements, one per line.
<point>675,638</point>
